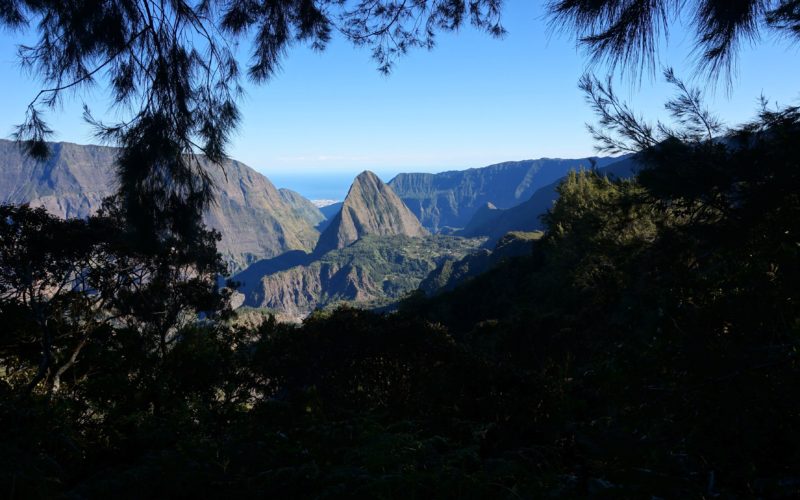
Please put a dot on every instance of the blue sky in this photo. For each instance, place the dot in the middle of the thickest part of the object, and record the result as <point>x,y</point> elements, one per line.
<point>470,102</point>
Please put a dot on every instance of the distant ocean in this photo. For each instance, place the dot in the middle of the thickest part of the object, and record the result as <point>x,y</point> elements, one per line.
<point>319,185</point>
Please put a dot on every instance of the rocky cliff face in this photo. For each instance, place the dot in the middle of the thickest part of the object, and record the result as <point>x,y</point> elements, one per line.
<point>255,220</point>
<point>70,184</point>
<point>527,215</point>
<point>373,271</point>
<point>296,292</point>
<point>370,208</point>
<point>253,217</point>
<point>450,199</point>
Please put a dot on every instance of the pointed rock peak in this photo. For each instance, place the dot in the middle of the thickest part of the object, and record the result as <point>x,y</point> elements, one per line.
<point>368,176</point>
<point>371,207</point>
<point>368,181</point>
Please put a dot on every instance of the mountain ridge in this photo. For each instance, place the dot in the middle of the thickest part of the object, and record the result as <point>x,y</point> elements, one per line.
<point>450,199</point>
<point>527,215</point>
<point>251,214</point>
<point>370,208</point>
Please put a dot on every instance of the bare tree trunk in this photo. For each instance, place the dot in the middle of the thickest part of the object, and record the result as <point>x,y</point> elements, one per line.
<point>44,364</point>
<point>69,364</point>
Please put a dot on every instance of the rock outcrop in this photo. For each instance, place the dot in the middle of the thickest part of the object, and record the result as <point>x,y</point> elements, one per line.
<point>372,272</point>
<point>370,208</point>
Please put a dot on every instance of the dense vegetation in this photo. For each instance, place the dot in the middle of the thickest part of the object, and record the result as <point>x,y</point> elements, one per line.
<point>396,264</point>
<point>375,271</point>
<point>453,272</point>
<point>647,346</point>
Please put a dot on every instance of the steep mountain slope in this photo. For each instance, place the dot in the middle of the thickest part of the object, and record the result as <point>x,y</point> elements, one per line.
<point>373,271</point>
<point>302,207</point>
<point>453,272</point>
<point>331,210</point>
<point>370,208</point>
<point>71,184</point>
<point>255,220</point>
<point>450,199</point>
<point>483,215</point>
<point>526,216</point>
<point>253,217</point>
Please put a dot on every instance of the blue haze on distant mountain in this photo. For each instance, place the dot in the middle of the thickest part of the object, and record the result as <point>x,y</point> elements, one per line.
<point>448,200</point>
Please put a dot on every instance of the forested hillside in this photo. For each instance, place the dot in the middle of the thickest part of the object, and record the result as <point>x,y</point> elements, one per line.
<point>372,272</point>
<point>645,346</point>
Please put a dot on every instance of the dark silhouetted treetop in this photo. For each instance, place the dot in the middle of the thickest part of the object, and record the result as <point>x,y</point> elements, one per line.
<point>620,130</point>
<point>64,283</point>
<point>172,71</point>
<point>627,32</point>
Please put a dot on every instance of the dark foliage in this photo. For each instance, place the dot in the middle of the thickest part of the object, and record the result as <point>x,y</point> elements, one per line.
<point>646,347</point>
<point>670,303</point>
<point>628,32</point>
<point>67,286</point>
